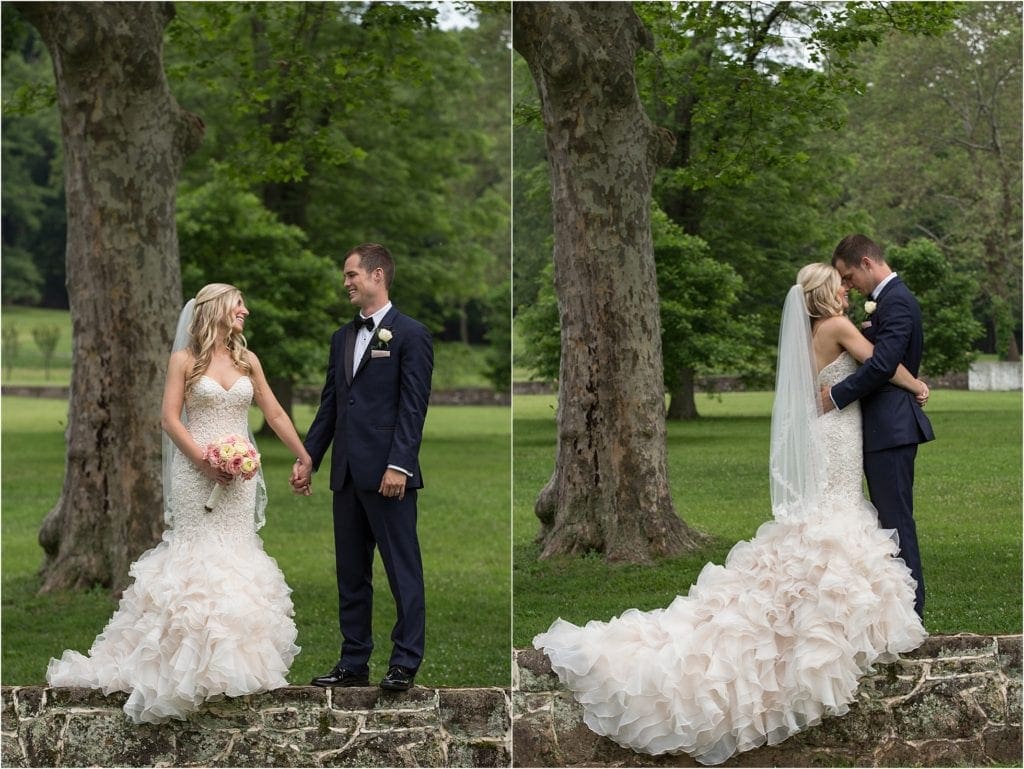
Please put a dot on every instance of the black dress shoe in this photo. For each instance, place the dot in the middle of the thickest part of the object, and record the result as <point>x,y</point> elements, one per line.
<point>339,676</point>
<point>398,678</point>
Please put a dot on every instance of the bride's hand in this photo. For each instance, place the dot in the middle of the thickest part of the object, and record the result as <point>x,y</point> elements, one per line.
<point>922,393</point>
<point>220,476</point>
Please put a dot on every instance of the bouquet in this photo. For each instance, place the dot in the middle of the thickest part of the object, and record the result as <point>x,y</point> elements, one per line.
<point>232,454</point>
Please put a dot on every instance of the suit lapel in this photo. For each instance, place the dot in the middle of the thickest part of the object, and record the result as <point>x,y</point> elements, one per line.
<point>350,351</point>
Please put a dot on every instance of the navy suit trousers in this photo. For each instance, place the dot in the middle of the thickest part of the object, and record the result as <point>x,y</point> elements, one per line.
<point>365,520</point>
<point>890,475</point>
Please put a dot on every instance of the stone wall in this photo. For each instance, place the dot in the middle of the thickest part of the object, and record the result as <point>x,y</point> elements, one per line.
<point>1002,375</point>
<point>295,726</point>
<point>956,701</point>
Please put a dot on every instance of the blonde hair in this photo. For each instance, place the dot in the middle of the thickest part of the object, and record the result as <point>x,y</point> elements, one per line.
<point>214,314</point>
<point>821,283</point>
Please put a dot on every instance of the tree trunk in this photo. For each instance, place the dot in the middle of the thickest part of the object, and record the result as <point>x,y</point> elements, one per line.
<point>125,139</point>
<point>609,492</point>
<point>682,404</point>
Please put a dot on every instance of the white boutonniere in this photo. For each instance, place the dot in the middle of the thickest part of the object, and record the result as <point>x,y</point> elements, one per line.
<point>384,336</point>
<point>869,307</point>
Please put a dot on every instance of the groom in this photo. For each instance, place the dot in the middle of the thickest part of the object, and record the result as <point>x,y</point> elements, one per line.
<point>894,423</point>
<point>372,409</point>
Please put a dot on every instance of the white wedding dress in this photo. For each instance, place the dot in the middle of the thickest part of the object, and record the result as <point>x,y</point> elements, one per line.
<point>763,646</point>
<point>208,613</point>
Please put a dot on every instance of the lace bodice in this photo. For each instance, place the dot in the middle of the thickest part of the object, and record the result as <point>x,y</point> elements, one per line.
<point>842,434</point>
<point>213,412</point>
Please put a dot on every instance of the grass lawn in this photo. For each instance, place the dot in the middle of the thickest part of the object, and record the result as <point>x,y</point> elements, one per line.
<point>967,502</point>
<point>463,528</point>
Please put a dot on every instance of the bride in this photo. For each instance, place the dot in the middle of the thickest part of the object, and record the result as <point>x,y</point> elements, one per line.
<point>767,644</point>
<point>208,613</point>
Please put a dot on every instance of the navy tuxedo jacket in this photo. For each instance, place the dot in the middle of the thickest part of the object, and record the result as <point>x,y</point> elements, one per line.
<point>374,418</point>
<point>891,415</point>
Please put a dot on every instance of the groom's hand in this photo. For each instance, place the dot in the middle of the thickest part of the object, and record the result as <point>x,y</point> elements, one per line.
<point>302,474</point>
<point>826,400</point>
<point>393,483</point>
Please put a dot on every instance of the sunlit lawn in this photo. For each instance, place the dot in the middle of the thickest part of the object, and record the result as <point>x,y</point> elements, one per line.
<point>463,527</point>
<point>967,501</point>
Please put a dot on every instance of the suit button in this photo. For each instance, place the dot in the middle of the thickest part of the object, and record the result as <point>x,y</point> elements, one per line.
<point>351,401</point>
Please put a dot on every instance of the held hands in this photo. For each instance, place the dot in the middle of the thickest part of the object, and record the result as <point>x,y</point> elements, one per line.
<point>302,477</point>
<point>393,484</point>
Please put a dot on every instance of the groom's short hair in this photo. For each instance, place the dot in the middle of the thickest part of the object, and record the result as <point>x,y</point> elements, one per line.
<point>372,256</point>
<point>853,248</point>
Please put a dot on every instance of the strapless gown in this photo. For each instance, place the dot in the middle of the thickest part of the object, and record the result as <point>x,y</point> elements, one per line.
<point>761,647</point>
<point>208,612</point>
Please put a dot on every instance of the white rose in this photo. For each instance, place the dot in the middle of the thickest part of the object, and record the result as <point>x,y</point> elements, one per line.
<point>869,307</point>
<point>384,335</point>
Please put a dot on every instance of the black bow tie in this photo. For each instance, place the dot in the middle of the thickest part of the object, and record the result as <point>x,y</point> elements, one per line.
<point>362,322</point>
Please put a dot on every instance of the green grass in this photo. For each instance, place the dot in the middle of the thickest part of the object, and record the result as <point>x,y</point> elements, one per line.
<point>463,528</point>
<point>967,502</point>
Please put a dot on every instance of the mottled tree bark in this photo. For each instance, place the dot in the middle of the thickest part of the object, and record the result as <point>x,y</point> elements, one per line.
<point>125,140</point>
<point>609,491</point>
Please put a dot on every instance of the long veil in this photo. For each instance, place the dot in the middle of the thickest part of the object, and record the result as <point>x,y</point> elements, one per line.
<point>797,465</point>
<point>181,341</point>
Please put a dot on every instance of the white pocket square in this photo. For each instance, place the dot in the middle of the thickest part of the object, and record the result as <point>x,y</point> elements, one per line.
<point>380,353</point>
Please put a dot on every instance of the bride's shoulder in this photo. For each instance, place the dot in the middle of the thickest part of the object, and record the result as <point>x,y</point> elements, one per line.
<point>835,326</point>
<point>181,359</point>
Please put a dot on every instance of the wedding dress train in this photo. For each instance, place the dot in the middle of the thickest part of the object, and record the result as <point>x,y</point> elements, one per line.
<point>208,612</point>
<point>763,646</point>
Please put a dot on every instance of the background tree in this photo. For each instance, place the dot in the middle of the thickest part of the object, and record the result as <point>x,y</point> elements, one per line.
<point>937,136</point>
<point>745,87</point>
<point>46,338</point>
<point>609,490</point>
<point>125,139</point>
<point>32,221</point>
<point>945,295</point>
<point>227,235</point>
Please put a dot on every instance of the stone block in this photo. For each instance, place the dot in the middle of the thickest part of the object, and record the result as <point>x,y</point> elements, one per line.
<point>989,695</point>
<point>283,719</point>
<point>1013,701</point>
<point>198,746</point>
<point>260,749</point>
<point>30,701</point>
<point>963,666</point>
<point>897,679</point>
<point>76,697</point>
<point>1008,651</point>
<point>92,739</point>
<point>473,713</point>
<point>390,750</point>
<point>354,697</point>
<point>533,736</point>
<point>484,755</point>
<point>962,645</point>
<point>866,721</point>
<point>1002,745</point>
<point>939,708</point>
<point>534,672</point>
<point>40,737</point>
<point>8,711</point>
<point>10,751</point>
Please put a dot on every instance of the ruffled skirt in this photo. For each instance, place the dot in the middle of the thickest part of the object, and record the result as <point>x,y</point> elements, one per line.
<point>761,648</point>
<point>203,617</point>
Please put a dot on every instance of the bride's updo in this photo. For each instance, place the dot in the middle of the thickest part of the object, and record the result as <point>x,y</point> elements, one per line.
<point>214,314</point>
<point>821,283</point>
